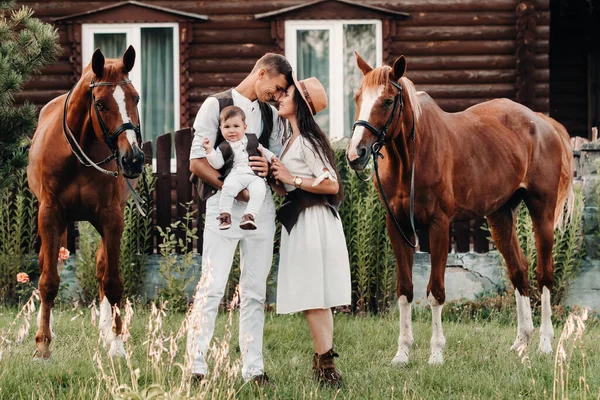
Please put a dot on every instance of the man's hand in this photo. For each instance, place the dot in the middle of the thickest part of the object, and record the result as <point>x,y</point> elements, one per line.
<point>243,196</point>
<point>259,164</point>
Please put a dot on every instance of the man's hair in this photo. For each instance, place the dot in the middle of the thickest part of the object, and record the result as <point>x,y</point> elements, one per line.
<point>275,64</point>
<point>230,112</point>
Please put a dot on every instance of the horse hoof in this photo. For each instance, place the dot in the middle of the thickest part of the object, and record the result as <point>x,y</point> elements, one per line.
<point>41,356</point>
<point>545,346</point>
<point>116,349</point>
<point>436,359</point>
<point>401,358</point>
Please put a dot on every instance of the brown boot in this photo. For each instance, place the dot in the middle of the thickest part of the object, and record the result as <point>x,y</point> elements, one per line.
<point>224,221</point>
<point>248,223</point>
<point>325,372</point>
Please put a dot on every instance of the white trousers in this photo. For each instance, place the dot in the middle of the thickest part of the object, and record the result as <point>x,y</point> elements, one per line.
<point>256,255</point>
<point>234,183</point>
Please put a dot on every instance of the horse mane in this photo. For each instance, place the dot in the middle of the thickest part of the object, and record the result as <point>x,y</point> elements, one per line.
<point>381,76</point>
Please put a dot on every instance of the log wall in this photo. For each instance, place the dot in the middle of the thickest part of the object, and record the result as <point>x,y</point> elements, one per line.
<point>461,51</point>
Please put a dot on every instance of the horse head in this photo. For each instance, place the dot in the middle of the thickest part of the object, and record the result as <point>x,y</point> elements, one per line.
<point>380,103</point>
<point>114,110</point>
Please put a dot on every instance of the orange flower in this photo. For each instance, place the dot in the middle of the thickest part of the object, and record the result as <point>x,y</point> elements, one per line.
<point>22,277</point>
<point>63,254</point>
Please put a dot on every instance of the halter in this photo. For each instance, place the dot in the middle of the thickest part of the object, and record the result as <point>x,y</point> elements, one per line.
<point>376,151</point>
<point>109,138</point>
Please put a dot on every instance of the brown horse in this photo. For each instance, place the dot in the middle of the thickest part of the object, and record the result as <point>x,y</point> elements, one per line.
<point>73,129</point>
<point>479,162</point>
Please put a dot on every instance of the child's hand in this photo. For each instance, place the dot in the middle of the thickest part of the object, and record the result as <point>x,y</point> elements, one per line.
<point>207,145</point>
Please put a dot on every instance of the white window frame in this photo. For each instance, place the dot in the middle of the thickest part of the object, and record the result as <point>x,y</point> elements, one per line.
<point>336,52</point>
<point>134,38</point>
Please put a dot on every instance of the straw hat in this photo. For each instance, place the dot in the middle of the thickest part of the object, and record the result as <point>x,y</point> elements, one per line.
<point>313,93</point>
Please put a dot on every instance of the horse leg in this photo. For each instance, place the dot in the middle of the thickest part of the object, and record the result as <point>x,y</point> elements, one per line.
<point>63,243</point>
<point>439,239</point>
<point>504,233</point>
<point>111,286</point>
<point>542,217</point>
<point>50,227</point>
<point>404,263</point>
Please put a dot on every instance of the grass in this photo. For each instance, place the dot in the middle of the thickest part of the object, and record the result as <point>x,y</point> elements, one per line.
<point>477,365</point>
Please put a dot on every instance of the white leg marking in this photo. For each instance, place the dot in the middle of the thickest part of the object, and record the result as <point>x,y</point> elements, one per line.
<point>369,98</point>
<point>524,322</point>
<point>113,342</point>
<point>119,96</point>
<point>405,340</point>
<point>546,329</point>
<point>39,320</point>
<point>438,341</point>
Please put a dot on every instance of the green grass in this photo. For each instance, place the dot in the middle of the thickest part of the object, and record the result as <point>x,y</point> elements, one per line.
<point>477,361</point>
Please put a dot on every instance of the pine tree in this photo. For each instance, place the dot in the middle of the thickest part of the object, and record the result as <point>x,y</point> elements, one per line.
<point>26,45</point>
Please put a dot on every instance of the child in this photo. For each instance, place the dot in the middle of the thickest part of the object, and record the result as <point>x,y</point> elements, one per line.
<point>231,158</point>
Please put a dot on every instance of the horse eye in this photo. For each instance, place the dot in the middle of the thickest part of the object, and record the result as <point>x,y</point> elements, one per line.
<point>99,105</point>
<point>388,102</point>
<point>136,99</point>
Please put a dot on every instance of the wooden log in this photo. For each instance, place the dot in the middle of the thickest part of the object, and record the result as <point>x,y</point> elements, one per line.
<point>37,96</point>
<point>451,18</point>
<point>455,47</point>
<point>427,33</point>
<point>230,51</point>
<point>461,76</point>
<point>233,36</point>
<point>58,68</point>
<point>48,82</point>
<point>244,65</point>
<point>163,182</point>
<point>183,144</point>
<point>456,62</point>
<point>469,91</point>
<point>216,79</point>
<point>542,89</point>
<point>199,94</point>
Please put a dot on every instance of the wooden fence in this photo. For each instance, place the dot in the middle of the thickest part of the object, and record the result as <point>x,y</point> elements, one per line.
<point>174,189</point>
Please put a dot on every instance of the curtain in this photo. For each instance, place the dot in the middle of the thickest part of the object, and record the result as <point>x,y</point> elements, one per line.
<point>157,105</point>
<point>359,37</point>
<point>112,45</point>
<point>313,60</point>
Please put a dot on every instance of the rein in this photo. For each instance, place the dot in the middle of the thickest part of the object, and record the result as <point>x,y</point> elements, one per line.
<point>376,151</point>
<point>109,138</point>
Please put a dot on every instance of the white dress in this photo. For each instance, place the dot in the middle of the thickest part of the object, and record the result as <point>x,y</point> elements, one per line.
<point>314,270</point>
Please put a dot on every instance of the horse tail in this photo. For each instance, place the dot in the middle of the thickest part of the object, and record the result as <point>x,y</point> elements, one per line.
<point>565,201</point>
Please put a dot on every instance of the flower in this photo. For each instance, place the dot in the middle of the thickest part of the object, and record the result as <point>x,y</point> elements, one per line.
<point>63,254</point>
<point>22,277</point>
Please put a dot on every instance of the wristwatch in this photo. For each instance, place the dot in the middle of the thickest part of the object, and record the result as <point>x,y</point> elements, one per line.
<point>297,181</point>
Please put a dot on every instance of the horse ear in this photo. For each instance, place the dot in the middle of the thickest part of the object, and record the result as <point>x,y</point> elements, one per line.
<point>399,68</point>
<point>362,64</point>
<point>128,59</point>
<point>98,63</point>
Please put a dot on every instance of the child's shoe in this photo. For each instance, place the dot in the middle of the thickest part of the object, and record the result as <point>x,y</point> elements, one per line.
<point>248,223</point>
<point>224,221</point>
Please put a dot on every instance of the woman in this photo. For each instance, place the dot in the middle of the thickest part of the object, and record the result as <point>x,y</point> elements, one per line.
<point>314,270</point>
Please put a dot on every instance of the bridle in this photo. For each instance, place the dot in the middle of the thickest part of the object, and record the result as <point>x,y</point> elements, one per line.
<point>110,138</point>
<point>381,134</point>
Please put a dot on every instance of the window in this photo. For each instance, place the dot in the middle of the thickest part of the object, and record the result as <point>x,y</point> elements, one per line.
<point>156,71</point>
<point>325,49</point>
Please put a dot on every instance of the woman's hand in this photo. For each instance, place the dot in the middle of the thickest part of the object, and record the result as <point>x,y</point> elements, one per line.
<point>280,172</point>
<point>259,164</point>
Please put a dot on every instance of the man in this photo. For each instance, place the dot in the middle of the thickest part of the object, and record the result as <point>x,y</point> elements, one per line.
<point>266,82</point>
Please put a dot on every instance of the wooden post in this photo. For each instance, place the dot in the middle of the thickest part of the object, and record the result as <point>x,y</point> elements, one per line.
<point>183,144</point>
<point>163,183</point>
<point>526,37</point>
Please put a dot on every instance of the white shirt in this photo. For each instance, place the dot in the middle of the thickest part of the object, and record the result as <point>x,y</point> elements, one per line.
<point>240,157</point>
<point>207,123</point>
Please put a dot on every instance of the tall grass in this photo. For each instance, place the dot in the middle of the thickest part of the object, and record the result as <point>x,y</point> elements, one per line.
<point>18,208</point>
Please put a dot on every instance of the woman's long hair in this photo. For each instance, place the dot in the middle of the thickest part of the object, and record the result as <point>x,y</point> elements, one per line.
<point>310,130</point>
